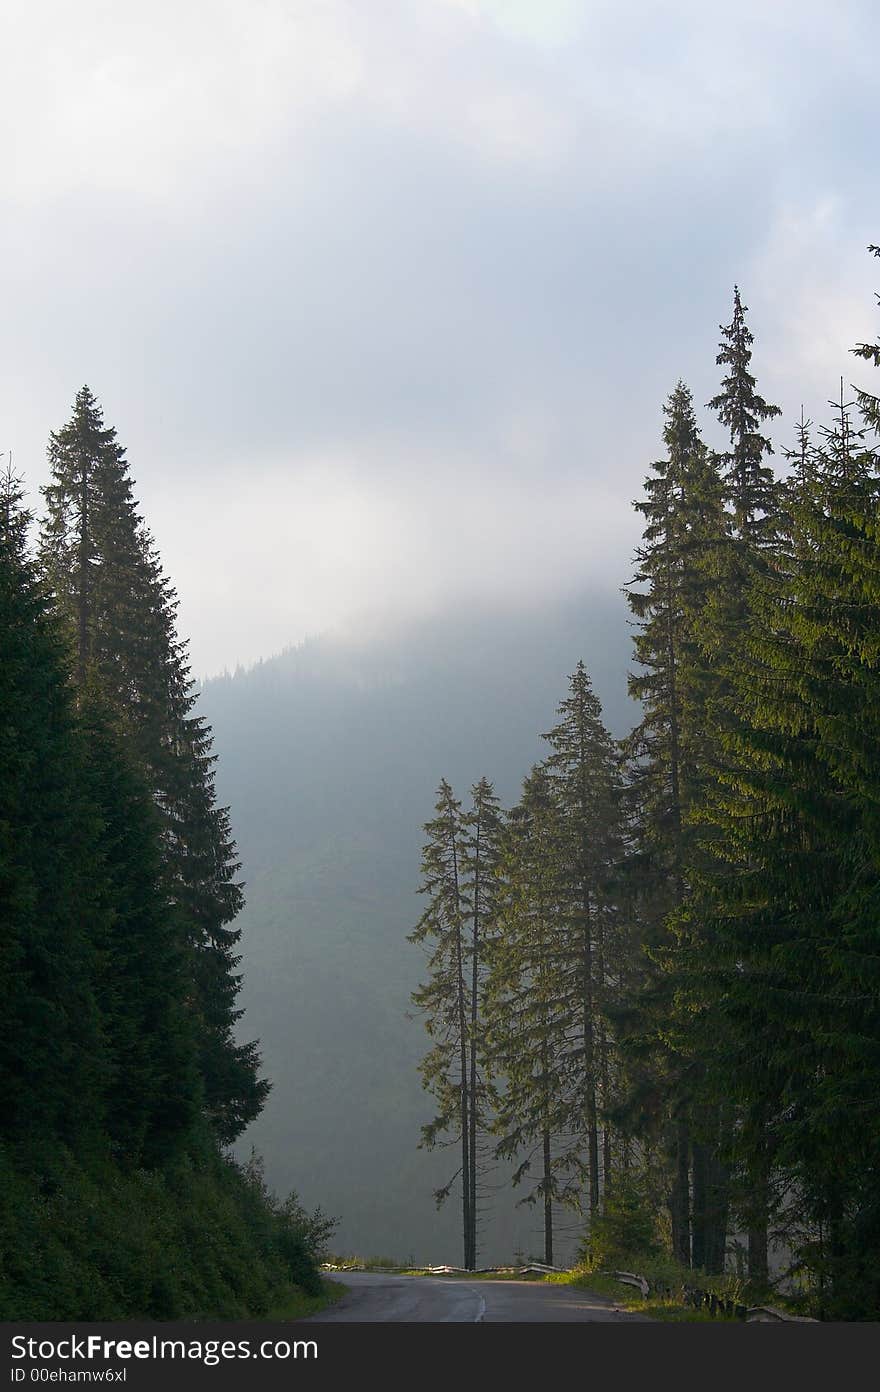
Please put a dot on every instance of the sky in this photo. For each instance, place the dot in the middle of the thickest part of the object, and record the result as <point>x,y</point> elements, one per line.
<point>384,296</point>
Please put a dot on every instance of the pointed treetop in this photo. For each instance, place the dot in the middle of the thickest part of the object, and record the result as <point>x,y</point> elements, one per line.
<point>742,410</point>
<point>86,422</point>
<point>681,434</point>
<point>15,518</point>
<point>843,457</point>
<point>581,705</point>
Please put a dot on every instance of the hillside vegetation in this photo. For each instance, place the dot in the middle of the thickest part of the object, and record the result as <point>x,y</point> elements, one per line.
<point>122,1081</point>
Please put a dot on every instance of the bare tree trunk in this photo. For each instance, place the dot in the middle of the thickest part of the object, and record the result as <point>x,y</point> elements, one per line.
<point>590,1065</point>
<point>719,1193</point>
<point>607,1161</point>
<point>465,1168</point>
<point>710,1193</point>
<point>674,740</point>
<point>759,1270</point>
<point>475,982</point>
<point>548,1200</point>
<point>602,1040</point>
<point>679,1199</point>
<point>700,1217</point>
<point>462,1032</point>
<point>589,1001</point>
<point>759,1205</point>
<point>84,577</point>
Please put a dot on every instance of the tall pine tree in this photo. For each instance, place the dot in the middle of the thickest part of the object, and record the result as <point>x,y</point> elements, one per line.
<point>482,827</point>
<point>534,1005</point>
<point>52,1049</point>
<point>102,565</point>
<point>443,998</point>
<point>742,410</point>
<point>681,571</point>
<point>792,895</point>
<point>584,771</point>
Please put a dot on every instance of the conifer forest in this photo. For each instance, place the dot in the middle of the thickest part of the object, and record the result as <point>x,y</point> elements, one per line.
<point>439,679</point>
<point>121,1073</point>
<point>652,983</point>
<point>649,986</point>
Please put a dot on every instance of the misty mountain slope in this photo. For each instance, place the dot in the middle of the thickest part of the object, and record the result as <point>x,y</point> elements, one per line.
<point>330,755</point>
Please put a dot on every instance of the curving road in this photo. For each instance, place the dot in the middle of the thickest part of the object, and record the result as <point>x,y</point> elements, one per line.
<point>374,1296</point>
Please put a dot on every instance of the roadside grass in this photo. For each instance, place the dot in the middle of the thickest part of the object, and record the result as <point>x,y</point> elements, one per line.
<point>668,1281</point>
<point>628,1298</point>
<point>663,1308</point>
<point>297,1305</point>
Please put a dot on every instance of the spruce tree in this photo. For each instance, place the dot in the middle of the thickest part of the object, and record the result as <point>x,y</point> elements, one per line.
<point>15,518</point>
<point>742,410</point>
<point>584,773</point>
<point>108,583</point>
<point>151,1087</point>
<point>534,1006</point>
<point>792,895</point>
<point>53,1055</point>
<point>482,828</point>
<point>443,998</point>
<point>758,506</point>
<point>678,599</point>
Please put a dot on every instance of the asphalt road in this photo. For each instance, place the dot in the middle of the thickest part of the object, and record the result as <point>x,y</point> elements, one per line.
<point>373,1296</point>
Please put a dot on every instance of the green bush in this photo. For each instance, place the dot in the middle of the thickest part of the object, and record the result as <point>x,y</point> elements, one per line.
<point>627,1227</point>
<point>83,1239</point>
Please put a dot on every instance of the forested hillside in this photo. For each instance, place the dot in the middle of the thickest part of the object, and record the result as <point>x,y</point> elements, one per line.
<point>330,754</point>
<point>652,982</point>
<point>646,974</point>
<point>647,913</point>
<point>121,1077</point>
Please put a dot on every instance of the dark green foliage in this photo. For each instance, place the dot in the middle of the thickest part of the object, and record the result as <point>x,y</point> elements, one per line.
<point>627,1229</point>
<point>535,999</point>
<point>51,909</point>
<point>443,999</point>
<point>742,1044</point>
<point>784,1007</point>
<point>680,571</point>
<point>15,519</point>
<point>114,1199</point>
<point>120,609</point>
<point>550,941</point>
<point>791,987</point>
<point>300,1238</point>
<point>92,547</point>
<point>585,787</point>
<point>151,1086</point>
<point>329,756</point>
<point>86,1240</point>
<point>458,866</point>
<point>750,482</point>
<point>682,605</point>
<point>482,824</point>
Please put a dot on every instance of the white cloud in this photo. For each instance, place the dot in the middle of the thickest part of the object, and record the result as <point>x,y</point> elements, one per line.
<point>150,97</point>
<point>547,23</point>
<point>321,544</point>
<point>388,295</point>
<point>814,285</point>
